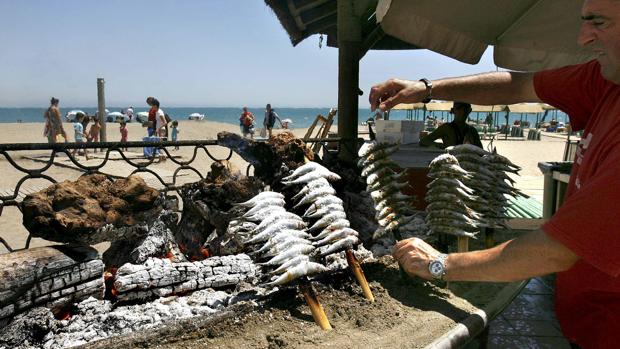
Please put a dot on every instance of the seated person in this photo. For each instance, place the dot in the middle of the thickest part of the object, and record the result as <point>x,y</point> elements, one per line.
<point>455,132</point>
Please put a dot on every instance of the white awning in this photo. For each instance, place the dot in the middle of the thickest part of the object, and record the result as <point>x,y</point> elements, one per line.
<point>527,35</point>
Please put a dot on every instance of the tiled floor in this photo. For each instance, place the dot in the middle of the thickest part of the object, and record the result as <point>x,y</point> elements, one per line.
<point>529,321</point>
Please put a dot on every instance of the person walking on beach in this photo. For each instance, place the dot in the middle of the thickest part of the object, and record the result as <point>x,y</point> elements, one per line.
<point>124,132</point>
<point>152,118</point>
<point>174,133</point>
<point>129,113</point>
<point>456,132</point>
<point>53,122</point>
<point>581,240</point>
<point>80,137</point>
<point>93,132</point>
<point>247,123</point>
<point>270,119</point>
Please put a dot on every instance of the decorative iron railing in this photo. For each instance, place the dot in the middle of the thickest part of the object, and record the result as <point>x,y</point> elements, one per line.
<point>141,165</point>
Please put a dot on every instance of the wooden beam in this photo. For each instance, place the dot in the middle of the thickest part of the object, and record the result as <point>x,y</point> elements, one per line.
<point>349,42</point>
<point>371,39</point>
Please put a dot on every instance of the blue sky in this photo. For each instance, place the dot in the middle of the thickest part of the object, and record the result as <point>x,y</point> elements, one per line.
<point>187,53</point>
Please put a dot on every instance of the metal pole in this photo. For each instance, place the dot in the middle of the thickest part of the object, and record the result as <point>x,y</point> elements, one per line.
<point>349,44</point>
<point>101,109</point>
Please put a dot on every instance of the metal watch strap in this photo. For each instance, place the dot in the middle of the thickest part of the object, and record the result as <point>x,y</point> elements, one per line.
<point>429,88</point>
<point>443,258</point>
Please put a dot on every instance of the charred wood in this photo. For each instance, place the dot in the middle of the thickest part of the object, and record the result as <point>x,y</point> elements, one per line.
<point>48,276</point>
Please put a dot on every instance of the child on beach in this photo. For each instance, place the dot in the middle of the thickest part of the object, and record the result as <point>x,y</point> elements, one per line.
<point>79,133</point>
<point>124,132</point>
<point>93,133</point>
<point>174,133</point>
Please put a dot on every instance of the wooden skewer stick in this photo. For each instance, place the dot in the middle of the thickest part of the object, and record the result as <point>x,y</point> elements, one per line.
<point>355,266</point>
<point>315,306</point>
<point>463,244</point>
<point>489,237</point>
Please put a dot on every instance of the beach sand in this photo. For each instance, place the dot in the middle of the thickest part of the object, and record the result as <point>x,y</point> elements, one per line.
<point>526,154</point>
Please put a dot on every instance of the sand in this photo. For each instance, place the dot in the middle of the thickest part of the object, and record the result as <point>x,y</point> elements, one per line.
<point>526,154</point>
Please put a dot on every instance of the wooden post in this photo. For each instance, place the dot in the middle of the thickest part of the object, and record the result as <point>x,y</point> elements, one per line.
<point>349,45</point>
<point>101,109</point>
<point>489,237</point>
<point>355,266</point>
<point>463,244</point>
<point>315,306</point>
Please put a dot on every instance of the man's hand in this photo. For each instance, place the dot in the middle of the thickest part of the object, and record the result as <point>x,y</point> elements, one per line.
<point>395,91</point>
<point>414,255</point>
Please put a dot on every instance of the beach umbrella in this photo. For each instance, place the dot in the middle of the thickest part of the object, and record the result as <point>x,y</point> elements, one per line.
<point>525,34</point>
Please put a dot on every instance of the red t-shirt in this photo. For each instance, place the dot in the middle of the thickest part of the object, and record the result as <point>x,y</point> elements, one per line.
<point>588,295</point>
<point>153,116</point>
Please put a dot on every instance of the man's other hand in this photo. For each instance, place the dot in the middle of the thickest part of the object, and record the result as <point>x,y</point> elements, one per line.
<point>414,255</point>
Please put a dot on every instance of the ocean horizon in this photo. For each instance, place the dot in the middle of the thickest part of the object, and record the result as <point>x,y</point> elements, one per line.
<point>301,117</point>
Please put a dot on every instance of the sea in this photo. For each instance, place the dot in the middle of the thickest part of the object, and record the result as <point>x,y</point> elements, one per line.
<point>301,117</point>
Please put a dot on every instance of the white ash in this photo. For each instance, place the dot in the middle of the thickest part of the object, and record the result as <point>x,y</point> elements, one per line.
<point>97,319</point>
<point>162,277</point>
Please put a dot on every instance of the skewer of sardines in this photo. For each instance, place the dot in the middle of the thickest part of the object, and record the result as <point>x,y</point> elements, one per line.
<point>385,183</point>
<point>449,201</point>
<point>281,243</point>
<point>327,213</point>
<point>490,182</point>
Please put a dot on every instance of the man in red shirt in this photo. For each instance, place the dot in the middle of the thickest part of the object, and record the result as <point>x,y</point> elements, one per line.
<point>581,242</point>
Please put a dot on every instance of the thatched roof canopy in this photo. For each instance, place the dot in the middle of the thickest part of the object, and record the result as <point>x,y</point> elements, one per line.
<point>303,18</point>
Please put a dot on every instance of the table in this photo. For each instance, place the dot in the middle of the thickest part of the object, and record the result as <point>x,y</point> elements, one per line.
<point>557,176</point>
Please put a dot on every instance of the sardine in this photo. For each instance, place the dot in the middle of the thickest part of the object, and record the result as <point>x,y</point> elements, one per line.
<point>315,194</point>
<point>343,244</point>
<point>276,217</point>
<point>291,263</point>
<point>285,245</point>
<point>336,225</point>
<point>444,159</point>
<point>264,203</point>
<point>305,168</point>
<point>328,219</point>
<point>377,166</point>
<point>317,183</point>
<point>310,176</point>
<point>322,202</point>
<point>274,229</point>
<point>302,269</point>
<point>260,214</point>
<point>336,235</point>
<point>466,148</point>
<point>290,253</point>
<point>324,210</point>
<point>260,197</point>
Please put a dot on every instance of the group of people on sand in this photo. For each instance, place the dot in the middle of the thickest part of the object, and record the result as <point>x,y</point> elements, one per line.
<point>247,119</point>
<point>55,132</point>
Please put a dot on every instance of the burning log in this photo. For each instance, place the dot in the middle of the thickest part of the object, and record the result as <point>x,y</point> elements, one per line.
<point>91,210</point>
<point>268,157</point>
<point>159,241</point>
<point>51,276</point>
<point>208,208</point>
<point>162,277</point>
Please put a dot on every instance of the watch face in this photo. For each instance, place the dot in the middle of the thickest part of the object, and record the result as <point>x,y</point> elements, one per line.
<point>436,268</point>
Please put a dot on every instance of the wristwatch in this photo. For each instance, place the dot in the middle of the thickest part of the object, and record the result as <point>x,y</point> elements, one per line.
<point>429,89</point>
<point>437,267</point>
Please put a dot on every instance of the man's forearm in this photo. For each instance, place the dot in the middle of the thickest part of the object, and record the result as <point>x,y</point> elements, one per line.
<point>487,88</point>
<point>530,255</point>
